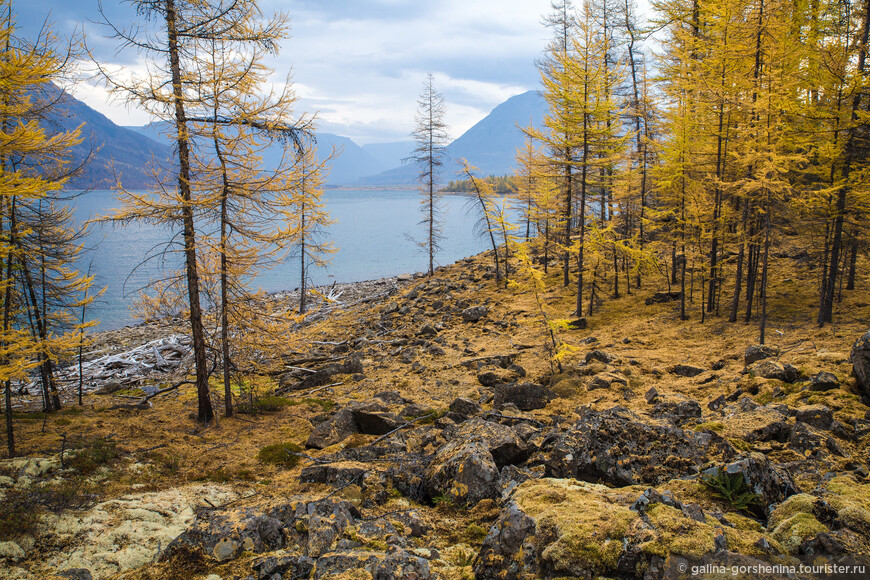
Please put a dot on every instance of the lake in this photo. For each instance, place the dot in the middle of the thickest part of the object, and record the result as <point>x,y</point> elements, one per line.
<point>372,233</point>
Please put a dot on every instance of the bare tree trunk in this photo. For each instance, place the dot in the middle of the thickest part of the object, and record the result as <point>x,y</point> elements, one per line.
<point>205,412</point>
<point>853,260</point>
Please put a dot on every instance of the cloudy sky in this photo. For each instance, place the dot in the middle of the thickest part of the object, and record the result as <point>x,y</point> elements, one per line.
<point>359,64</point>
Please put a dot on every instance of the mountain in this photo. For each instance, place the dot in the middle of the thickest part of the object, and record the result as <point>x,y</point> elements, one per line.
<point>351,162</point>
<point>390,154</point>
<point>118,152</point>
<point>490,145</point>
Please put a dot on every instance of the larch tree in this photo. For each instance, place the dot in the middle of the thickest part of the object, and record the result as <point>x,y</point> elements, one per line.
<point>234,122</point>
<point>39,286</point>
<point>180,31</point>
<point>430,136</point>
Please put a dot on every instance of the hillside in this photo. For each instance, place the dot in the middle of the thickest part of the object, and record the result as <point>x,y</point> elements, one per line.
<point>119,153</point>
<point>438,439</point>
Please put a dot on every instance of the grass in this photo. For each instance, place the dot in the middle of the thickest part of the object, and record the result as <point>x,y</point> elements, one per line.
<point>281,454</point>
<point>94,455</point>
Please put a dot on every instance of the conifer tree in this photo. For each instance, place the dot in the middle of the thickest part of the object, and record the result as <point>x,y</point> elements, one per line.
<point>182,31</point>
<point>430,136</point>
<point>39,287</point>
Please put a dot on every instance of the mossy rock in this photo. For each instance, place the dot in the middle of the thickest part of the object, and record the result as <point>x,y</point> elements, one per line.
<point>282,454</point>
<point>567,387</point>
<point>564,527</point>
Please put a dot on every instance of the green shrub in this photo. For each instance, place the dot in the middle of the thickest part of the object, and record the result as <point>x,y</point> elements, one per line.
<point>733,489</point>
<point>280,454</point>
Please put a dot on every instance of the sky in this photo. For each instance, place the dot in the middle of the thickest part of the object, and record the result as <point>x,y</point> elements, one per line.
<point>359,65</point>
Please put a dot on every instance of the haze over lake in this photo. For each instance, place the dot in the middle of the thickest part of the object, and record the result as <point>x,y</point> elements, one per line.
<point>372,232</point>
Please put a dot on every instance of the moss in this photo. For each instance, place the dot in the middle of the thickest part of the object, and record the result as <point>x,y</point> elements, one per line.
<point>800,503</point>
<point>568,387</point>
<point>677,534</point>
<point>280,454</point>
<point>586,529</point>
<point>715,426</point>
<point>852,502</point>
<point>475,533</point>
<point>796,529</point>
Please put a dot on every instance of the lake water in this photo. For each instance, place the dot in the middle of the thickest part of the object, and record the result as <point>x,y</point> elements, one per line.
<point>372,232</point>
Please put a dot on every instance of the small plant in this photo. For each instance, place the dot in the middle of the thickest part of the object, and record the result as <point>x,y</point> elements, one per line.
<point>18,515</point>
<point>475,533</point>
<point>265,404</point>
<point>733,489</point>
<point>282,454</point>
<point>91,457</point>
<point>463,558</point>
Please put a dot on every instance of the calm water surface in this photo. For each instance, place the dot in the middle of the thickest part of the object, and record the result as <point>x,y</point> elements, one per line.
<point>372,233</point>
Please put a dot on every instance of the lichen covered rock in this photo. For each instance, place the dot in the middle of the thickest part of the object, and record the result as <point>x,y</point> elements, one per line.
<point>618,448</point>
<point>562,528</point>
<point>463,472</point>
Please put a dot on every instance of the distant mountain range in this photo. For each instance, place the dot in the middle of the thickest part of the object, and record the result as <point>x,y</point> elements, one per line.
<point>126,153</point>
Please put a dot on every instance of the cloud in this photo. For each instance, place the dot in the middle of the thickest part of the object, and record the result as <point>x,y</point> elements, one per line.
<point>360,64</point>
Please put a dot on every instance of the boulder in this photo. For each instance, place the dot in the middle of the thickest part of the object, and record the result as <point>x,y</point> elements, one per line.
<point>334,430</point>
<point>606,381</point>
<point>224,534</point>
<point>824,381</point>
<point>759,352</point>
<point>618,448</point>
<point>526,396</point>
<point>860,358</point>
<point>463,472</point>
<point>686,370</point>
<point>816,415</point>
<point>600,356</point>
<point>290,564</point>
<point>768,369</point>
<point>464,406</point>
<point>374,422</point>
<point>474,313</point>
<point>678,411</point>
<point>556,528</point>
<point>503,442</point>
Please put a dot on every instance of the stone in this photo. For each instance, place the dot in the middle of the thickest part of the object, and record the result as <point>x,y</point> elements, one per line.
<point>337,564</point>
<point>606,381</point>
<point>716,403</point>
<point>663,297</point>
<point>618,448</point>
<point>768,369</point>
<point>503,442</point>
<point>225,549</point>
<point>816,415</point>
<point>11,551</point>
<point>374,422</point>
<point>526,396</point>
<point>758,352</point>
<point>679,411</point>
<point>577,324</point>
<point>464,406</point>
<point>600,356</point>
<point>474,313</point>
<point>427,330</point>
<point>334,430</point>
<point>860,358</point>
<point>651,395</point>
<point>402,566</point>
<point>686,370</point>
<point>296,564</point>
<point>340,473</point>
<point>824,381</point>
<point>804,439</point>
<point>76,574</point>
<point>464,472</point>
